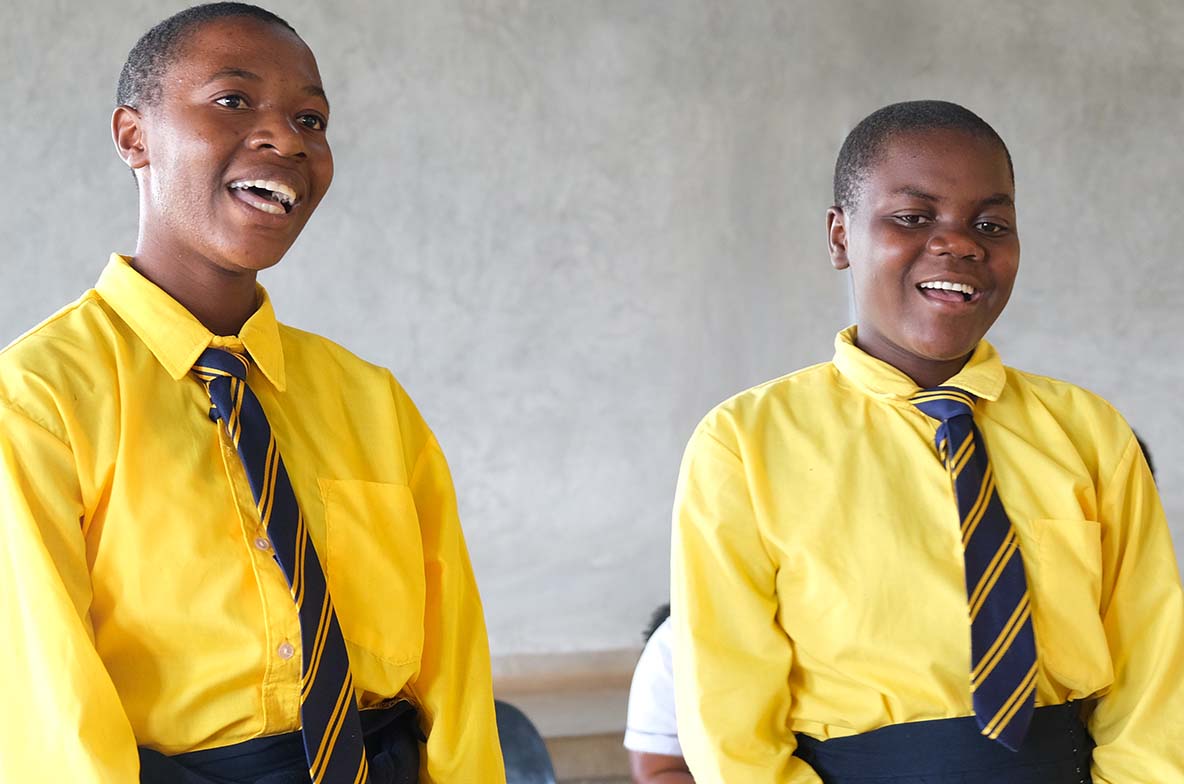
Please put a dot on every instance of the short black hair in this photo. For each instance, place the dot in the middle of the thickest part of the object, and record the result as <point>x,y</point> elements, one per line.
<point>657,619</point>
<point>863,146</point>
<point>140,79</point>
<point>1146,454</point>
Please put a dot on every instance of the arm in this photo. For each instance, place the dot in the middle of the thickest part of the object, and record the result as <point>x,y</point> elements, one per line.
<point>454,687</point>
<point>731,659</point>
<point>1139,724</point>
<point>62,719</point>
<point>658,769</point>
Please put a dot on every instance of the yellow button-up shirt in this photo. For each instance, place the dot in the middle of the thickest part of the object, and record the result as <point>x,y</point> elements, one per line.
<point>140,603</point>
<point>818,576</point>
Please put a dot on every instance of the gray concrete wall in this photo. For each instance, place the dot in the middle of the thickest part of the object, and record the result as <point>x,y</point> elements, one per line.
<point>571,227</point>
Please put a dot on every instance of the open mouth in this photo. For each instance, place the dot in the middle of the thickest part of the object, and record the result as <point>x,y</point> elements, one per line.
<point>267,196</point>
<point>947,291</point>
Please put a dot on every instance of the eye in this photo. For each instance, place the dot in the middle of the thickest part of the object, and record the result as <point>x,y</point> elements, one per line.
<point>232,101</point>
<point>990,227</point>
<point>911,219</point>
<point>313,122</point>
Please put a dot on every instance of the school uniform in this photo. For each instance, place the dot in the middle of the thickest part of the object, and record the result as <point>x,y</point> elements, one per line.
<point>139,592</point>
<point>819,584</point>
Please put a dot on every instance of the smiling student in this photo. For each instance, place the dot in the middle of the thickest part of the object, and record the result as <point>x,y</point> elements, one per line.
<point>913,563</point>
<point>232,547</point>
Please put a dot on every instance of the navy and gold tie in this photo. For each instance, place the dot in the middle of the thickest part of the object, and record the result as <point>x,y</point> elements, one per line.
<point>1002,643</point>
<point>328,711</point>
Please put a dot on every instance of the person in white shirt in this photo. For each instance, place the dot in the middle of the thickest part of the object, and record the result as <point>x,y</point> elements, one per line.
<point>651,733</point>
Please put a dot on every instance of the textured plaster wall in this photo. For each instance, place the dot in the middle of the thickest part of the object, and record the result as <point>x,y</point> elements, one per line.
<point>571,227</point>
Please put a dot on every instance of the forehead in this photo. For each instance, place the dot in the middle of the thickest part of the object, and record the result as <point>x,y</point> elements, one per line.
<point>942,162</point>
<point>246,44</point>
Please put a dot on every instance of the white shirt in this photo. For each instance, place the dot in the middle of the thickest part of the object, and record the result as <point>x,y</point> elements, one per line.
<point>650,725</point>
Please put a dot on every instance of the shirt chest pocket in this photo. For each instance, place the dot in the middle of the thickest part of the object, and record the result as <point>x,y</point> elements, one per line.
<point>374,566</point>
<point>1067,578</point>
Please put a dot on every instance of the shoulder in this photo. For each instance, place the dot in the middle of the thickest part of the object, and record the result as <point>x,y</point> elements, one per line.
<point>59,359</point>
<point>316,355</point>
<point>303,348</point>
<point>330,372</point>
<point>81,323</point>
<point>782,403</point>
<point>1055,393</point>
<point>1036,395</point>
<point>1065,416</point>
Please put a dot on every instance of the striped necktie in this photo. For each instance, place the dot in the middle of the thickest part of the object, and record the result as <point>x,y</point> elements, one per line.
<point>1002,643</point>
<point>328,711</point>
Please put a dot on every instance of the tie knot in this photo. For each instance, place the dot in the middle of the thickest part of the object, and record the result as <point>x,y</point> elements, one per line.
<point>217,362</point>
<point>944,403</point>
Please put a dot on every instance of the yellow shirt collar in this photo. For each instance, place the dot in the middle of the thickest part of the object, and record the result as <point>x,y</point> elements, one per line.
<point>172,333</point>
<point>983,375</point>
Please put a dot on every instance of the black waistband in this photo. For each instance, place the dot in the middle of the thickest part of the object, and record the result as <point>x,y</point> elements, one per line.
<point>1056,749</point>
<point>392,737</point>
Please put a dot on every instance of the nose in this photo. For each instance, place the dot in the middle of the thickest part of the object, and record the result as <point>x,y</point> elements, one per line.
<point>950,241</point>
<point>276,131</point>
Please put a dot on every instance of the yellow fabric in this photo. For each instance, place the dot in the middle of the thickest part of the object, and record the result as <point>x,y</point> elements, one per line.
<point>818,572</point>
<point>137,601</point>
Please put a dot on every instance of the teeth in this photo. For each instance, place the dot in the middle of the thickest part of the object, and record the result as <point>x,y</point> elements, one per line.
<point>948,286</point>
<point>279,191</point>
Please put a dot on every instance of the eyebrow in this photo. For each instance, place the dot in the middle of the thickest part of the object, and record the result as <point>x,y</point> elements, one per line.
<point>998,199</point>
<point>314,90</point>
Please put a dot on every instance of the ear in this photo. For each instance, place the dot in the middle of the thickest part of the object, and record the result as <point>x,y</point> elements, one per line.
<point>836,237</point>
<point>127,130</point>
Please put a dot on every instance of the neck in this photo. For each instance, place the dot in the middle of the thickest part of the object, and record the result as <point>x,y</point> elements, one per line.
<point>925,373</point>
<point>931,375</point>
<point>221,299</point>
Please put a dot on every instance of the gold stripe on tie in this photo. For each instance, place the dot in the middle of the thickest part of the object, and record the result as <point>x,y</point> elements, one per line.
<point>999,563</point>
<point>967,443</point>
<point>237,415</point>
<point>270,471</point>
<point>314,661</point>
<point>956,471</point>
<point>976,513</point>
<point>298,572</point>
<point>998,649</point>
<point>1012,705</point>
<point>947,394</point>
<point>325,752</point>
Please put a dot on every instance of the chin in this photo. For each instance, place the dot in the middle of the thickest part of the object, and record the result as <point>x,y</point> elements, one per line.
<point>254,259</point>
<point>946,350</point>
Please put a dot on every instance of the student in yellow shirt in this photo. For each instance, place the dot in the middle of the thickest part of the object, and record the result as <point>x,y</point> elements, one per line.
<point>913,563</point>
<point>232,551</point>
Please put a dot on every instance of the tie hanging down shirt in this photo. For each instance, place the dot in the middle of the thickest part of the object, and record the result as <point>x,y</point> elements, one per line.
<point>999,608</point>
<point>139,591</point>
<point>818,580</point>
<point>330,726</point>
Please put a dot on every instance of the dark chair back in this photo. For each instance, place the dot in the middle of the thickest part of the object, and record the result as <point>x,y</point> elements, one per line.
<point>527,760</point>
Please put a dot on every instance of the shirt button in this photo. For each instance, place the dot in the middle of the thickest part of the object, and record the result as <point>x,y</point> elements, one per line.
<point>262,543</point>
<point>286,650</point>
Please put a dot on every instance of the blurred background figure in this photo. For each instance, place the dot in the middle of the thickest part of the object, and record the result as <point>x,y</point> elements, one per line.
<point>651,733</point>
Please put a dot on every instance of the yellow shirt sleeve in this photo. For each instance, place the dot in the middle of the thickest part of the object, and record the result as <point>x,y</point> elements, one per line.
<point>731,658</point>
<point>1139,724</point>
<point>454,686</point>
<point>62,719</point>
